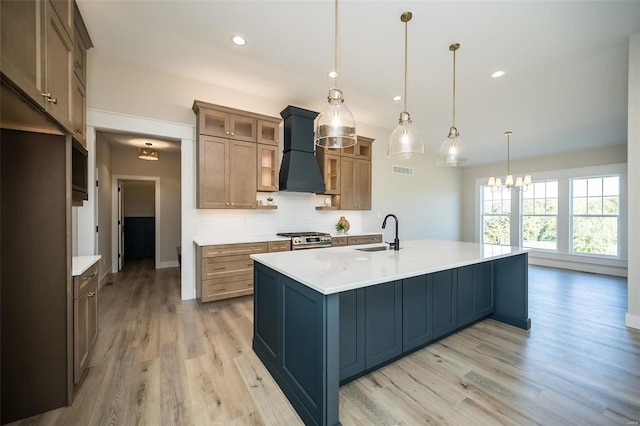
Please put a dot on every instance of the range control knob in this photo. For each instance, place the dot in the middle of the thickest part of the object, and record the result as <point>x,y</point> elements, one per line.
<point>296,240</point>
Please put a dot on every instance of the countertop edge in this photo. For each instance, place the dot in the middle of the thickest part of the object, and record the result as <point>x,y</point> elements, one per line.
<point>80,264</point>
<point>383,279</point>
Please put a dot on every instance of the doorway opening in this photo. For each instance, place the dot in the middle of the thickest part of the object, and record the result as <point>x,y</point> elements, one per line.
<point>137,214</point>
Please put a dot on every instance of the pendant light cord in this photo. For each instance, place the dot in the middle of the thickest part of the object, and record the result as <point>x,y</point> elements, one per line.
<point>335,44</point>
<point>508,153</point>
<point>405,64</point>
<point>454,88</point>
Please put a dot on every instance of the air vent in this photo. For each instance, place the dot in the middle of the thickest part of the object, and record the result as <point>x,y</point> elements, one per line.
<point>402,170</point>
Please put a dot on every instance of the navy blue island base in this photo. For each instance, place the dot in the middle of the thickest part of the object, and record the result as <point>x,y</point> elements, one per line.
<point>312,343</point>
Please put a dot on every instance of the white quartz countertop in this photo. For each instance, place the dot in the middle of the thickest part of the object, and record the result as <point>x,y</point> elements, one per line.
<point>79,264</point>
<point>210,240</point>
<point>337,269</point>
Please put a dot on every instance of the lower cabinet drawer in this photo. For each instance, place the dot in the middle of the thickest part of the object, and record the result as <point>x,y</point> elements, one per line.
<point>338,241</point>
<point>365,239</point>
<point>233,265</point>
<point>223,288</point>
<point>279,246</point>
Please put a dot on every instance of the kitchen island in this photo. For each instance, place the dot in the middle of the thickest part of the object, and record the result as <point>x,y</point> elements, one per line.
<point>325,317</point>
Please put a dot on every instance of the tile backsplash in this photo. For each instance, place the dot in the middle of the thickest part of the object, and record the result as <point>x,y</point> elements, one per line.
<point>296,212</point>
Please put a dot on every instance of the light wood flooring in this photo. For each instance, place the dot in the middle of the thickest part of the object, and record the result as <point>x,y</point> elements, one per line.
<point>162,361</point>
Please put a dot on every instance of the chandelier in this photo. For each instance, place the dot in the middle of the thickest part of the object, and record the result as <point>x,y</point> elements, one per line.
<point>520,184</point>
<point>148,153</point>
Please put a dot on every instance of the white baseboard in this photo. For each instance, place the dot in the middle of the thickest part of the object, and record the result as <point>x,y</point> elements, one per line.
<point>632,321</point>
<point>103,279</point>
<point>168,264</point>
<point>615,268</point>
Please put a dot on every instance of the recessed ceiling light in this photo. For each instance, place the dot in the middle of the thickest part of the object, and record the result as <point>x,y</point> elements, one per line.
<point>332,74</point>
<point>239,40</point>
<point>397,98</point>
<point>498,74</point>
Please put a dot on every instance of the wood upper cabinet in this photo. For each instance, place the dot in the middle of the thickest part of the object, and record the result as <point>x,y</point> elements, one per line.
<point>22,52</point>
<point>79,116</point>
<point>65,11</point>
<point>225,125</point>
<point>329,163</point>
<point>347,174</point>
<point>226,177</point>
<point>360,150</point>
<point>58,69</point>
<point>268,168</point>
<point>232,167</point>
<point>242,175</point>
<point>38,54</point>
<point>355,184</point>
<point>268,132</point>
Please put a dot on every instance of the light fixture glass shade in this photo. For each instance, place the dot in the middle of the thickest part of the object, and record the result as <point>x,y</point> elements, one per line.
<point>509,180</point>
<point>492,181</point>
<point>452,152</point>
<point>498,181</point>
<point>405,142</point>
<point>518,181</point>
<point>527,180</point>
<point>148,154</point>
<point>335,126</point>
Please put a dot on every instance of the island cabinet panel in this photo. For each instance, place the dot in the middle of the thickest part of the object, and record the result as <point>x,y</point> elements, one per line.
<point>511,288</point>
<point>352,333</point>
<point>444,307</point>
<point>466,295</point>
<point>417,312</point>
<point>296,336</point>
<point>475,292</point>
<point>383,322</point>
<point>483,276</point>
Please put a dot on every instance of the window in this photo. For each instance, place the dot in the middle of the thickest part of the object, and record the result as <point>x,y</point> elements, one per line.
<point>540,215</point>
<point>496,216</point>
<point>595,215</point>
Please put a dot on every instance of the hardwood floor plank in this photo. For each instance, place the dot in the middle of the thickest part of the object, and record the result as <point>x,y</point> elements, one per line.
<point>162,361</point>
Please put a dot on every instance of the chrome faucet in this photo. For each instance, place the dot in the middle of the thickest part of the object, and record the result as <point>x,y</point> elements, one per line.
<point>396,242</point>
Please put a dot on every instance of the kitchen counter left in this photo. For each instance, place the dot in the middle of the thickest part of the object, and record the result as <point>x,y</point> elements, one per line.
<point>79,264</point>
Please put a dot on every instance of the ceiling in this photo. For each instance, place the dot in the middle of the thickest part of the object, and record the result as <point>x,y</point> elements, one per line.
<point>567,62</point>
<point>138,141</point>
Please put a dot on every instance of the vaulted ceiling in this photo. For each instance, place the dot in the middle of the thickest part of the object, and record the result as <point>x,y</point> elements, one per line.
<point>566,62</point>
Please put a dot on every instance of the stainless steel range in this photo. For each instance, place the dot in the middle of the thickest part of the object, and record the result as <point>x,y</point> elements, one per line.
<point>307,240</point>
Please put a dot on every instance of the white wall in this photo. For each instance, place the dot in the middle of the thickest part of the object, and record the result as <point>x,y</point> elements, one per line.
<point>633,313</point>
<point>139,198</point>
<point>103,165</point>
<point>125,161</point>
<point>427,204</point>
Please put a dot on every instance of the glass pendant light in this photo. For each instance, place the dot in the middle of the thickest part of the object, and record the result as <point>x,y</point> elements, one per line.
<point>452,152</point>
<point>405,142</point>
<point>520,183</point>
<point>335,126</point>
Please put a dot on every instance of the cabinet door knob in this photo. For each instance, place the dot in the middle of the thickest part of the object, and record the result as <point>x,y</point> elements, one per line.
<point>232,204</point>
<point>226,133</point>
<point>232,133</point>
<point>91,294</point>
<point>77,64</point>
<point>226,204</point>
<point>78,131</point>
<point>49,98</point>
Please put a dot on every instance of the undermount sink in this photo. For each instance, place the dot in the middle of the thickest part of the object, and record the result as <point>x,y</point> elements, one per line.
<point>378,248</point>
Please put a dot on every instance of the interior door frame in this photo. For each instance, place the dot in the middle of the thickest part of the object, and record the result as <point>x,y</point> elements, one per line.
<point>115,238</point>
